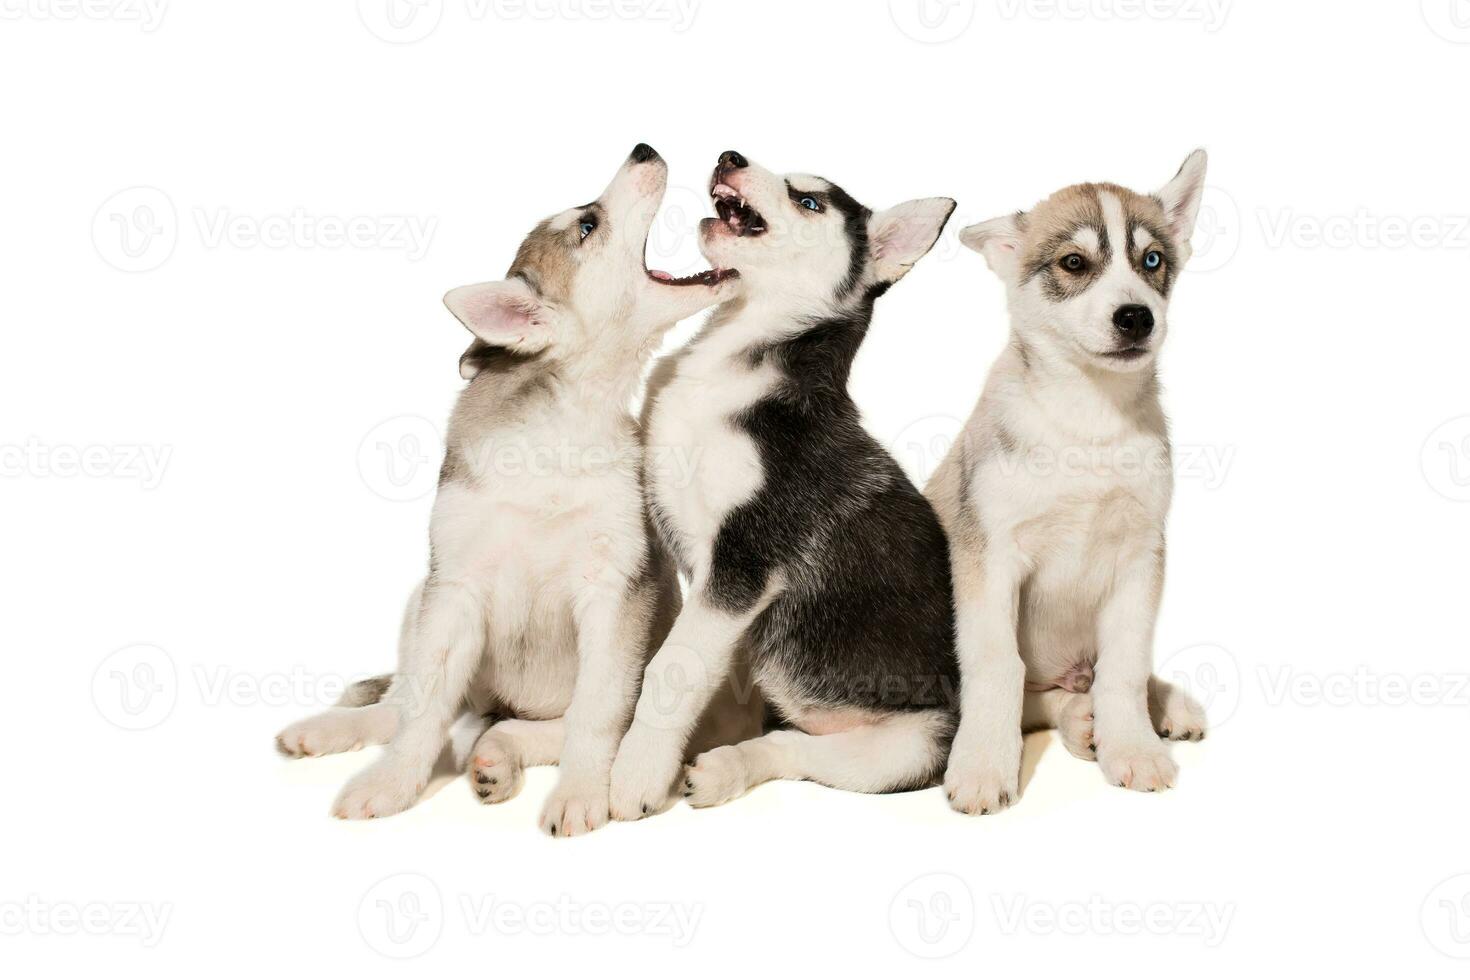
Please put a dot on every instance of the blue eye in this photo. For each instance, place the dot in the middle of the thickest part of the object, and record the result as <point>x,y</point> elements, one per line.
<point>588,227</point>
<point>810,203</point>
<point>1152,260</point>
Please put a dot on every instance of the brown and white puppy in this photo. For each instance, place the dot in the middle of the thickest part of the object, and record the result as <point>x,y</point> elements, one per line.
<point>547,592</point>
<point>1055,496</point>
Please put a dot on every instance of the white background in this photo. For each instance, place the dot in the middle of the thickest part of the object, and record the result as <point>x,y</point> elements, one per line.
<point>294,387</point>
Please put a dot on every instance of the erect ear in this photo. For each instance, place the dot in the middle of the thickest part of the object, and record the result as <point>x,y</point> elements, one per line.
<point>999,240</point>
<point>1181,197</point>
<point>502,314</point>
<point>904,233</point>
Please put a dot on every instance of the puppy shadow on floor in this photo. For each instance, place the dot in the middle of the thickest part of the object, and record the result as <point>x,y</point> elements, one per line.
<point>455,759</point>
<point>1033,747</point>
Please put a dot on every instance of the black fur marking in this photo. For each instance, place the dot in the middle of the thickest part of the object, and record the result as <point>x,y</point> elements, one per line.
<point>1162,279</point>
<point>865,617</point>
<point>855,224</point>
<point>1059,284</point>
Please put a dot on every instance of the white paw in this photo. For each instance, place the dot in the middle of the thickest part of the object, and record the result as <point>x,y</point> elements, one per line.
<point>323,734</point>
<point>984,780</point>
<point>1075,727</point>
<point>495,774</point>
<point>579,808</point>
<point>1179,717</point>
<point>1145,766</point>
<point>643,775</point>
<point>380,790</point>
<point>715,777</point>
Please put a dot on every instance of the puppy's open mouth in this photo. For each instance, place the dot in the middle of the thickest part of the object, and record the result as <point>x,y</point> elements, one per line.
<point>709,277</point>
<point>1127,353</point>
<point>744,220</point>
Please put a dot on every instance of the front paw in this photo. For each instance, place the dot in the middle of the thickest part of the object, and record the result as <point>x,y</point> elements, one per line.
<point>643,775</point>
<point>575,807</point>
<point>986,779</point>
<point>381,790</point>
<point>1142,766</point>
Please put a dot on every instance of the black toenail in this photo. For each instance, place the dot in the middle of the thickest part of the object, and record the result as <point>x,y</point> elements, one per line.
<point>480,777</point>
<point>553,828</point>
<point>645,809</point>
<point>1092,746</point>
<point>493,780</point>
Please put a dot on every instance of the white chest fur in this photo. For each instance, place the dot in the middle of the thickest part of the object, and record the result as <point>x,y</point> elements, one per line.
<point>700,464</point>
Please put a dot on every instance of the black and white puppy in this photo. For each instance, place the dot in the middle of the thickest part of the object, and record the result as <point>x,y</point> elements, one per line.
<point>809,553</point>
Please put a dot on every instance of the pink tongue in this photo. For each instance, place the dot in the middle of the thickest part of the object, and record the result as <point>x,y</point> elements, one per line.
<point>660,275</point>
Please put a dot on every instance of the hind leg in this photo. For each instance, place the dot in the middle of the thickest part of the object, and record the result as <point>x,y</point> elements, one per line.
<point>1069,713</point>
<point>499,759</point>
<point>1174,713</point>
<point>900,751</point>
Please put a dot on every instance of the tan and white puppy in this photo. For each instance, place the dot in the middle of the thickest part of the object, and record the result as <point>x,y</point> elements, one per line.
<point>547,592</point>
<point>1056,495</point>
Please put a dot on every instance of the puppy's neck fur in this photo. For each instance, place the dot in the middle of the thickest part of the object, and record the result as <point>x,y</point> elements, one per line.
<point>1090,403</point>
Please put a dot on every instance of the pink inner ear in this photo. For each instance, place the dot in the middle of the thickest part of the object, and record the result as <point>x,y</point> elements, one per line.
<point>901,239</point>
<point>499,314</point>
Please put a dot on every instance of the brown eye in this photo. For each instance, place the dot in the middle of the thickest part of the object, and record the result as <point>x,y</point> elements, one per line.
<point>1074,262</point>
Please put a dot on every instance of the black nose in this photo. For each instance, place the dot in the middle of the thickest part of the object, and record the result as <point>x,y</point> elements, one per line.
<point>732,159</point>
<point>642,153</point>
<point>1134,322</point>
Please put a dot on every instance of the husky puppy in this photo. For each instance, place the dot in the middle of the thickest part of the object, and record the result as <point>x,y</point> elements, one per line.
<point>1055,496</point>
<point>546,592</point>
<point>808,552</point>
